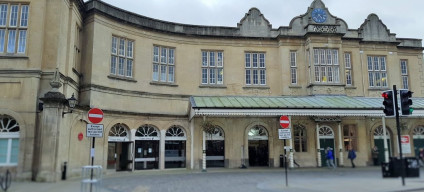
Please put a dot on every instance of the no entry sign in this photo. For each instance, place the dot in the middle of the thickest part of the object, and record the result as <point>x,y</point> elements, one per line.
<point>95,115</point>
<point>284,122</point>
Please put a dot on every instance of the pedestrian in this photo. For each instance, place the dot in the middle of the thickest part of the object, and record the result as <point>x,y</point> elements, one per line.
<point>374,152</point>
<point>351,155</point>
<point>421,156</point>
<point>330,158</point>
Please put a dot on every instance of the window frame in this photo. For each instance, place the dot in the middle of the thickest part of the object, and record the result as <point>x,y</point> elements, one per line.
<point>348,68</point>
<point>163,64</point>
<point>255,68</point>
<point>351,139</point>
<point>377,69</point>
<point>121,63</point>
<point>300,141</point>
<point>212,69</point>
<point>326,66</point>
<point>18,43</point>
<point>293,67</point>
<point>404,73</point>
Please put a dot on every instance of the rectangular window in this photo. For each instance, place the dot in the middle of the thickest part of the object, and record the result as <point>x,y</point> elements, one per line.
<point>163,70</point>
<point>348,67</point>
<point>9,151</point>
<point>122,51</point>
<point>11,41</point>
<point>3,14</point>
<point>255,76</point>
<point>404,73</point>
<point>13,21</point>
<point>2,40</point>
<point>326,66</point>
<point>22,41</point>
<point>377,71</point>
<point>350,137</point>
<point>293,67</point>
<point>24,15</point>
<point>212,67</point>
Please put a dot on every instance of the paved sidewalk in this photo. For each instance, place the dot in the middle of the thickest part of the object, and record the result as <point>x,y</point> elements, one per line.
<point>232,180</point>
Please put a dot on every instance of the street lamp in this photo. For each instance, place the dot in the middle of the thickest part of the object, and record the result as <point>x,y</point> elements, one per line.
<point>71,103</point>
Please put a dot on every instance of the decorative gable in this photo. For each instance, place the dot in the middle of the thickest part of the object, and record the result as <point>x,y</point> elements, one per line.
<point>373,29</point>
<point>254,24</point>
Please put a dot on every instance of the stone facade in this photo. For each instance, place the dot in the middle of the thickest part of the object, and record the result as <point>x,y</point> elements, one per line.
<point>75,39</point>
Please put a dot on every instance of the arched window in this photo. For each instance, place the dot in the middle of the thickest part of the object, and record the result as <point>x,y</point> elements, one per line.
<point>119,132</point>
<point>300,139</point>
<point>378,133</point>
<point>9,141</point>
<point>146,132</point>
<point>147,147</point>
<point>418,131</point>
<point>215,148</point>
<point>258,132</point>
<point>326,132</point>
<point>175,147</point>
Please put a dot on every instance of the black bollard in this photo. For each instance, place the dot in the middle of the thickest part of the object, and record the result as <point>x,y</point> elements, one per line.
<point>64,171</point>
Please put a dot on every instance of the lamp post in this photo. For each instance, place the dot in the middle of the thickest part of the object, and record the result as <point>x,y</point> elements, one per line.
<point>71,103</point>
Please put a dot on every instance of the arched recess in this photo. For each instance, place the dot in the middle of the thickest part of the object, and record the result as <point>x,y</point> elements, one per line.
<point>215,148</point>
<point>418,138</point>
<point>146,152</point>
<point>9,141</point>
<point>175,147</point>
<point>379,142</point>
<point>258,146</point>
<point>119,156</point>
<point>326,139</point>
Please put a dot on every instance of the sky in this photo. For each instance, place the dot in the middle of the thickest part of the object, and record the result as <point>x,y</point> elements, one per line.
<point>405,18</point>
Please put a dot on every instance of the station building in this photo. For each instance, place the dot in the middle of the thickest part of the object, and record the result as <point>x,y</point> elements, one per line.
<point>196,97</point>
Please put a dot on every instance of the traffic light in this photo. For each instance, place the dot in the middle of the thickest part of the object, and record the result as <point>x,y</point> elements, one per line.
<point>405,101</point>
<point>389,106</point>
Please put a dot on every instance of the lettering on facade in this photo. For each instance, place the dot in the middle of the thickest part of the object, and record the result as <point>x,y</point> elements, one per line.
<point>325,29</point>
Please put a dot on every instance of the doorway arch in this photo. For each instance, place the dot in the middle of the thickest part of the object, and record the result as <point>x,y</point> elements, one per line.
<point>119,155</point>
<point>175,147</point>
<point>379,143</point>
<point>326,139</point>
<point>9,141</point>
<point>418,138</point>
<point>215,148</point>
<point>258,146</point>
<point>147,139</point>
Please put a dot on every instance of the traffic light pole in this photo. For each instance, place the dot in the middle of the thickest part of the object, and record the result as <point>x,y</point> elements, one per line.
<point>402,164</point>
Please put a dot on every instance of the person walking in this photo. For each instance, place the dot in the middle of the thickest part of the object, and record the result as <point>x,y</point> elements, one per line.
<point>374,152</point>
<point>330,158</point>
<point>351,155</point>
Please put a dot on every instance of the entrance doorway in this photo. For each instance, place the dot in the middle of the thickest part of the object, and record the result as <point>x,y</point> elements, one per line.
<point>258,146</point>
<point>379,143</point>
<point>418,136</point>
<point>175,148</point>
<point>326,139</point>
<point>146,148</point>
<point>119,155</point>
<point>215,148</point>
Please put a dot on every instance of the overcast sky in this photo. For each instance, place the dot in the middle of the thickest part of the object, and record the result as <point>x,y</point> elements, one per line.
<point>405,18</point>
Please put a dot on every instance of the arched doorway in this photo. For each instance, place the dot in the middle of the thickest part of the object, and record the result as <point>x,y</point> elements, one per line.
<point>119,148</point>
<point>215,148</point>
<point>147,139</point>
<point>175,147</point>
<point>258,146</point>
<point>379,143</point>
<point>9,141</point>
<point>418,137</point>
<point>326,139</point>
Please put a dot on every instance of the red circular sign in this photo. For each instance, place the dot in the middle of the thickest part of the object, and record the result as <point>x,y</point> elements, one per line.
<point>80,136</point>
<point>95,115</point>
<point>284,122</point>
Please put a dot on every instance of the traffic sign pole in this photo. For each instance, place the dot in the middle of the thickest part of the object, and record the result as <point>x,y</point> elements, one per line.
<point>285,134</point>
<point>95,115</point>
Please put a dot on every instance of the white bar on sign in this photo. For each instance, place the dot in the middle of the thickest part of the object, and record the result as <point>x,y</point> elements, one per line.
<point>284,121</point>
<point>95,115</point>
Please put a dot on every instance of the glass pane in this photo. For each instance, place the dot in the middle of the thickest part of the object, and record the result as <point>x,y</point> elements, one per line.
<point>376,66</point>
<point>293,59</point>
<point>262,60</point>
<point>24,15</point>
<point>377,79</point>
<point>263,77</point>
<point>220,61</point>
<point>212,59</point>
<point>113,65</point>
<point>11,41</point>
<point>129,67</point>
<point>248,82</point>
<point>122,47</point>
<point>130,49</point>
<point>405,82</point>
<point>163,55</point>
<point>317,74</point>
<point>155,54</point>
<point>316,57</point>
<point>3,14</point>
<point>384,79</point>
<point>335,56</point>
<point>22,41</point>
<point>204,59</point>
<point>336,74</point>
<point>163,73</point>
<point>247,60</point>
<point>293,75</point>
<point>15,151</point>
<point>255,60</point>
<point>121,66</point>
<point>220,75</point>
<point>403,67</point>
<point>170,73</point>
<point>114,44</point>
<point>255,77</point>
<point>155,72</point>
<point>347,60</point>
<point>369,63</point>
<point>13,22</point>
<point>383,63</point>
<point>204,75</point>
<point>371,79</point>
<point>171,56</point>
<point>329,58</point>
<point>2,39</point>
<point>212,76</point>
<point>4,143</point>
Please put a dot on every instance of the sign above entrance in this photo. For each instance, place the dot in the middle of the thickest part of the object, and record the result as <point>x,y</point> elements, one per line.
<point>95,115</point>
<point>284,122</point>
<point>94,130</point>
<point>284,134</point>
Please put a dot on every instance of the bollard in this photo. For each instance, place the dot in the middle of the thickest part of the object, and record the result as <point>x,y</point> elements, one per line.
<point>64,170</point>
<point>6,181</point>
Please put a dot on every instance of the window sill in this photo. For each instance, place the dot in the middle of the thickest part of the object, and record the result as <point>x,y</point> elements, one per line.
<point>350,87</point>
<point>121,78</point>
<point>295,86</point>
<point>378,88</point>
<point>213,86</point>
<point>13,56</point>
<point>256,87</point>
<point>163,84</point>
<point>325,84</point>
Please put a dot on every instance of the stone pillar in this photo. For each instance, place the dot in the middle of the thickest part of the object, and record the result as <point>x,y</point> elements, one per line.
<point>341,161</point>
<point>318,147</point>
<point>386,149</point>
<point>162,149</point>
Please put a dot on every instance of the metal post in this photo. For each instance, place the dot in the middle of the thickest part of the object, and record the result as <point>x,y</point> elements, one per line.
<point>92,163</point>
<point>402,165</point>
<point>285,163</point>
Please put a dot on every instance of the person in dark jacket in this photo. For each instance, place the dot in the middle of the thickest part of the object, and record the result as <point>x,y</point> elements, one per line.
<point>351,155</point>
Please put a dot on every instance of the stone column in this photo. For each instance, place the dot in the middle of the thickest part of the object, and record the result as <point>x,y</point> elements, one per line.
<point>162,149</point>
<point>48,169</point>
<point>318,147</point>
<point>341,161</point>
<point>386,149</point>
